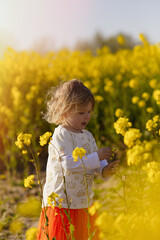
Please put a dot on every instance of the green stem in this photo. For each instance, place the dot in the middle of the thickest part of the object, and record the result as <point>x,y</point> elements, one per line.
<point>88,201</point>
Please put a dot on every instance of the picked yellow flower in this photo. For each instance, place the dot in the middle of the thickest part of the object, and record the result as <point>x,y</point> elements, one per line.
<point>78,153</point>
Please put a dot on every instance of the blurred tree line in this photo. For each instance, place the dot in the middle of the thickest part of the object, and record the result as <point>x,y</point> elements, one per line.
<point>114,43</point>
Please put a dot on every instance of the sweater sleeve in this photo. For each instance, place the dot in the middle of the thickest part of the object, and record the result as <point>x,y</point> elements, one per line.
<point>63,145</point>
<point>103,163</point>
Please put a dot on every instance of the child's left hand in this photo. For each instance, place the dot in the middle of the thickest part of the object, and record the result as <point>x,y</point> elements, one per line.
<point>110,169</point>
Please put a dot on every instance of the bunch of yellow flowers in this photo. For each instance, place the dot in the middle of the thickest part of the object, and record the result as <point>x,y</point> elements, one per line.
<point>54,198</point>
<point>78,153</point>
<point>44,138</point>
<point>23,139</point>
<point>121,125</point>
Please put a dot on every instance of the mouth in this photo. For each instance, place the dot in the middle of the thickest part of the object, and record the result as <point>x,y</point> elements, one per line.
<point>84,124</point>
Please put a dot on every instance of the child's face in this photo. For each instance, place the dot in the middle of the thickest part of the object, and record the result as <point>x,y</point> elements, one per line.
<point>78,120</point>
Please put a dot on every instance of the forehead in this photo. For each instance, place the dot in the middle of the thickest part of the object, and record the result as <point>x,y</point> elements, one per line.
<point>86,107</point>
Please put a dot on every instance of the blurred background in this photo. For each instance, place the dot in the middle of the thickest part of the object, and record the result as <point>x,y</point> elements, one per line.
<point>45,25</point>
<point>113,47</point>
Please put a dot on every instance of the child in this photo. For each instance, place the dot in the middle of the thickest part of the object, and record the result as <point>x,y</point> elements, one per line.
<point>71,106</point>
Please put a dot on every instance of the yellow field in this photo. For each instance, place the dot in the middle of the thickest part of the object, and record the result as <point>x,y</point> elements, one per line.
<point>126,86</point>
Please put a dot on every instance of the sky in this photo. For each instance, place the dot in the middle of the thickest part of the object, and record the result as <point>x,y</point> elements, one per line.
<point>27,23</point>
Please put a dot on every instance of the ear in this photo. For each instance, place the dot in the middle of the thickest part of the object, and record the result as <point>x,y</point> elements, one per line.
<point>64,115</point>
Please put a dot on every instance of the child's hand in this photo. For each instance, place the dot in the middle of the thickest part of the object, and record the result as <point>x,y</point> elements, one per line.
<point>105,153</point>
<point>110,169</point>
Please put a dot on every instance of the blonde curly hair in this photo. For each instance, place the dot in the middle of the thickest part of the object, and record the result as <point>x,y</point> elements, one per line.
<point>70,96</point>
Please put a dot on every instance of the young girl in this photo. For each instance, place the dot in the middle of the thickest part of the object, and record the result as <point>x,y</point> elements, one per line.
<point>71,106</point>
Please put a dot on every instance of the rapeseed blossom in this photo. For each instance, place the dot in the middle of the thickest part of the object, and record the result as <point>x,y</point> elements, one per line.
<point>149,110</point>
<point>99,98</point>
<point>143,39</point>
<point>122,125</point>
<point>93,209</point>
<point>31,233</point>
<point>119,112</point>
<point>156,96</point>
<point>135,155</point>
<point>108,85</point>
<point>105,223</point>
<point>54,200</point>
<point>78,153</point>
<point>23,139</point>
<point>153,83</point>
<point>16,227</point>
<point>121,39</point>
<point>133,83</point>
<point>145,95</point>
<point>152,124</point>
<point>135,99</point>
<point>131,137</point>
<point>44,138</point>
<point>153,171</point>
<point>29,182</point>
<point>141,103</point>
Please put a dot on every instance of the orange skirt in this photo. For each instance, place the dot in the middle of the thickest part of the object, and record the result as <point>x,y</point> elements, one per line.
<point>58,224</point>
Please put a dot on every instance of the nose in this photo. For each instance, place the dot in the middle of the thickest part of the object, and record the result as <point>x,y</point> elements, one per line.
<point>88,115</point>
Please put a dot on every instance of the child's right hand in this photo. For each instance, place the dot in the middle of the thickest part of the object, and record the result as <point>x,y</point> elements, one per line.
<point>105,153</point>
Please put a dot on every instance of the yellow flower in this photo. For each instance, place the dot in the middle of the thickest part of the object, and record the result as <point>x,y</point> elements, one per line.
<point>121,39</point>
<point>156,95</point>
<point>153,83</point>
<point>150,125</point>
<point>31,233</point>
<point>153,171</point>
<point>24,152</point>
<point>133,83</point>
<point>23,139</point>
<point>131,137</point>
<point>105,222</point>
<point>78,153</point>
<point>99,98</point>
<point>44,138</point>
<point>135,99</point>
<point>27,139</point>
<point>19,142</point>
<point>121,125</point>
<point>54,200</point>
<point>141,103</point>
<point>145,95</point>
<point>134,155</point>
<point>119,112</point>
<point>93,209</point>
<point>149,110</point>
<point>16,227</point>
<point>109,85</point>
<point>28,182</point>
<point>143,39</point>
<point>156,118</point>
